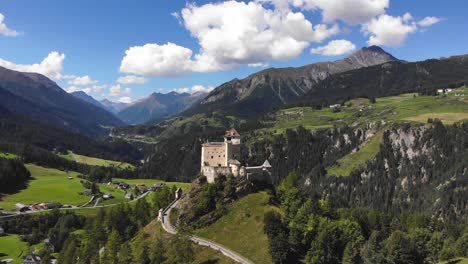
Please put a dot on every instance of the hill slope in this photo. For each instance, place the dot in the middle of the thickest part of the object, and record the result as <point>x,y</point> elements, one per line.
<point>158,105</point>
<point>392,78</point>
<point>36,96</point>
<point>87,98</point>
<point>264,90</point>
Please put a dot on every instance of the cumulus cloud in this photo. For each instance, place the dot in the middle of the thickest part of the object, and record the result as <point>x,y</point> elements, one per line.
<point>51,66</point>
<point>167,60</point>
<point>392,31</point>
<point>72,89</point>
<point>388,30</point>
<point>230,34</point>
<point>117,90</point>
<point>194,89</point>
<point>125,100</point>
<point>98,88</point>
<point>84,80</point>
<point>131,79</point>
<point>350,11</point>
<point>429,21</point>
<point>334,48</point>
<point>4,30</point>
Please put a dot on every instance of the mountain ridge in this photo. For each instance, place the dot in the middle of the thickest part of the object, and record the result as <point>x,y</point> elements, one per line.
<point>274,87</point>
<point>36,96</point>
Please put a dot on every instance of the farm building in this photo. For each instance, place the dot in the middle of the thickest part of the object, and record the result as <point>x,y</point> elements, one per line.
<point>32,259</point>
<point>2,231</point>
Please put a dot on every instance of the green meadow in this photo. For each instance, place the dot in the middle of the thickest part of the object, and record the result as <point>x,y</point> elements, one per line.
<point>357,159</point>
<point>241,225</point>
<point>47,185</point>
<point>11,247</point>
<point>7,155</point>
<point>95,161</point>
<point>450,108</point>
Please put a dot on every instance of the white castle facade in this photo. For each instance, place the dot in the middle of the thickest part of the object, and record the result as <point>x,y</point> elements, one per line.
<point>222,158</point>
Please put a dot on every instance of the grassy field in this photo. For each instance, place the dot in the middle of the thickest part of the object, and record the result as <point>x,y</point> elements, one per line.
<point>150,182</point>
<point>7,155</point>
<point>450,108</point>
<point>47,185</point>
<point>11,247</point>
<point>203,255</point>
<point>353,161</point>
<point>96,161</point>
<point>242,225</point>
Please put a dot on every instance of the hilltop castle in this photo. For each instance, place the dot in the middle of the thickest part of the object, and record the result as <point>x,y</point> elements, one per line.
<point>222,158</point>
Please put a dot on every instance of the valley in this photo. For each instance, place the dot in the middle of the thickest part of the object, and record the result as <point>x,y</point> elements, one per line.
<point>345,157</point>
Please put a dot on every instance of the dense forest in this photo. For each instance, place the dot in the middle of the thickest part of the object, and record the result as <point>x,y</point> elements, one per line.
<point>13,174</point>
<point>421,168</point>
<point>314,230</point>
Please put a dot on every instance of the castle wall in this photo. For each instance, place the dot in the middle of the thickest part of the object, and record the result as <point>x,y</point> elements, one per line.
<point>214,155</point>
<point>211,173</point>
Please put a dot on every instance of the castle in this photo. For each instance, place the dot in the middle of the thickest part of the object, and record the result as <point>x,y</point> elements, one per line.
<point>221,158</point>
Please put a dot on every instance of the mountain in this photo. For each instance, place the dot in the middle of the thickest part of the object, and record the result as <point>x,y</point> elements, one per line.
<point>275,87</point>
<point>113,107</point>
<point>391,78</point>
<point>87,98</point>
<point>159,105</point>
<point>37,97</point>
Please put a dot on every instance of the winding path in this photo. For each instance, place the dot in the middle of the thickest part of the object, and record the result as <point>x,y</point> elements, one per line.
<point>166,224</point>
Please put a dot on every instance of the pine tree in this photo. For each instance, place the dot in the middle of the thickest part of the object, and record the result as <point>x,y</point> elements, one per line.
<point>111,248</point>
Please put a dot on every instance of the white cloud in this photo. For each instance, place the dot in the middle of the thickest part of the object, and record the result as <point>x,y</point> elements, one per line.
<point>131,79</point>
<point>116,90</point>
<point>194,89</point>
<point>429,21</point>
<point>125,100</point>
<point>392,31</point>
<point>4,30</point>
<point>350,11</point>
<point>258,65</point>
<point>84,80</point>
<point>166,60</point>
<point>388,30</point>
<point>72,89</point>
<point>335,47</point>
<point>98,88</point>
<point>51,66</point>
<point>230,34</point>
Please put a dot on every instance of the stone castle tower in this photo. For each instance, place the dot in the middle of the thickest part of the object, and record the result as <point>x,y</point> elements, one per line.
<point>222,158</point>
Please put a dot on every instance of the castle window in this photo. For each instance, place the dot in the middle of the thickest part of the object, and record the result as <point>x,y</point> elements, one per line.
<point>219,156</point>
<point>211,157</point>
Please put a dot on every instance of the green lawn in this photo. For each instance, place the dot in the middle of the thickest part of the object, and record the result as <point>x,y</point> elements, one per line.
<point>95,161</point>
<point>11,247</point>
<point>48,185</point>
<point>353,161</point>
<point>446,118</point>
<point>241,229</point>
<point>7,155</point>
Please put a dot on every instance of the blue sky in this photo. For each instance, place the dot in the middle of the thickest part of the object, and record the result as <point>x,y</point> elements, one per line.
<point>212,41</point>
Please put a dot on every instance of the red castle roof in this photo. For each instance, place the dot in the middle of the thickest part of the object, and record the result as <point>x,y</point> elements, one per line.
<point>231,133</point>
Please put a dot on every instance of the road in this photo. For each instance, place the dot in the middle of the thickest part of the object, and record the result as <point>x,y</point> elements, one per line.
<point>16,213</point>
<point>166,224</point>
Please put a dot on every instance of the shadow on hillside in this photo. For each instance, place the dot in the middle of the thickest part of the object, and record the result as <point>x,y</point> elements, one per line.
<point>211,261</point>
<point>8,190</point>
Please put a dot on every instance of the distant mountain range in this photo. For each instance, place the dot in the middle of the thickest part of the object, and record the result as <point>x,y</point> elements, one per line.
<point>272,87</point>
<point>37,97</point>
<point>159,105</point>
<point>113,107</point>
